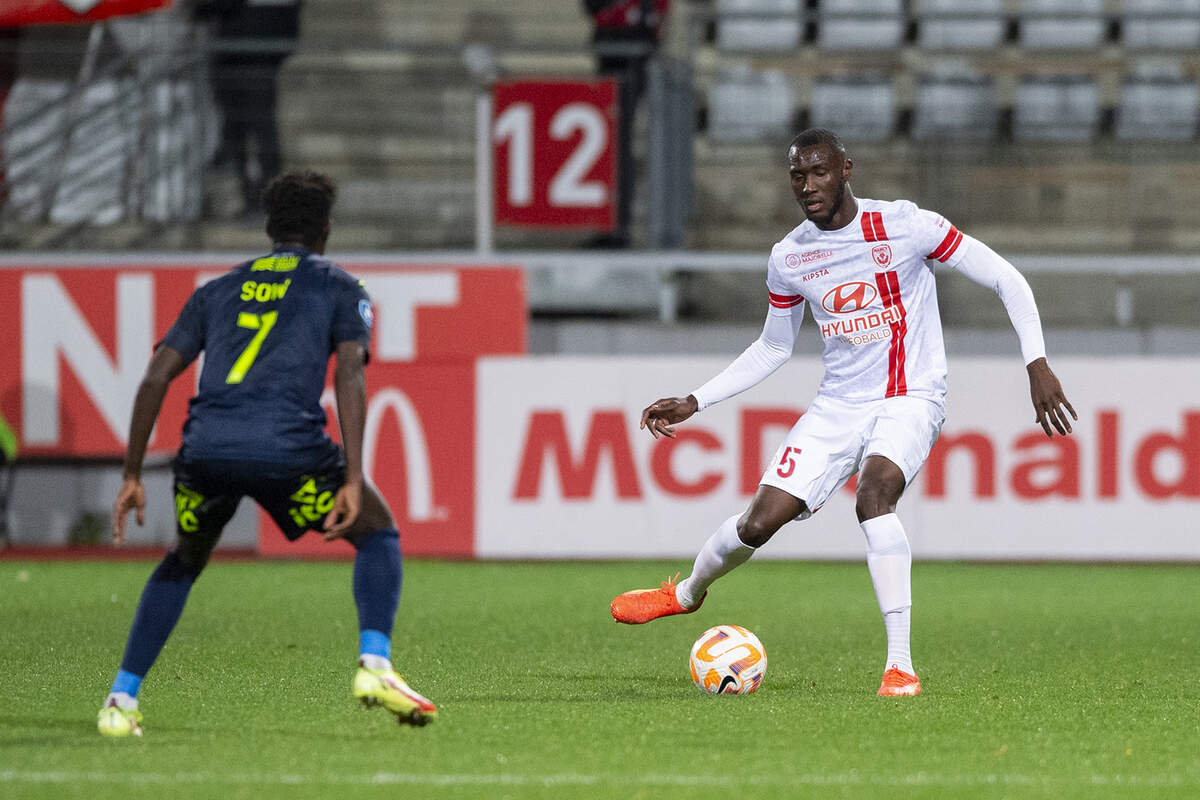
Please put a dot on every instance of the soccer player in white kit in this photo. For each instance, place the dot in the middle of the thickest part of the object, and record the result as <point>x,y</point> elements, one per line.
<point>865,268</point>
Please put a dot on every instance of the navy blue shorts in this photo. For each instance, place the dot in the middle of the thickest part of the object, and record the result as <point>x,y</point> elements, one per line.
<point>207,493</point>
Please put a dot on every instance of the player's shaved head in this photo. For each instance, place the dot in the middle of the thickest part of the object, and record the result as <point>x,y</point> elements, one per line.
<point>814,137</point>
<point>298,206</point>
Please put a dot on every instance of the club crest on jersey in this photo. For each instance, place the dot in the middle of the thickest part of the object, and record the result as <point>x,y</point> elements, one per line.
<point>366,312</point>
<point>882,253</point>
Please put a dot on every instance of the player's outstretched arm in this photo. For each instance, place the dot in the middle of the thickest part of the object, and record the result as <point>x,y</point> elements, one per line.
<point>1049,402</point>
<point>165,366</point>
<point>661,415</point>
<point>350,386</point>
<point>984,266</point>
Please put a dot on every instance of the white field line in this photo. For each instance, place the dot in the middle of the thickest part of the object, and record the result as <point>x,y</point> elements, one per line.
<point>507,779</point>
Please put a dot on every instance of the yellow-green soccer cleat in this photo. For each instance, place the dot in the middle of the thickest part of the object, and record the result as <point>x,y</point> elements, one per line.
<point>383,687</point>
<point>116,721</point>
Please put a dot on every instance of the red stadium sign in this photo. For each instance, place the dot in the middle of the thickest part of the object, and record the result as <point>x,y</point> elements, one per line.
<point>76,343</point>
<point>15,14</point>
<point>554,150</point>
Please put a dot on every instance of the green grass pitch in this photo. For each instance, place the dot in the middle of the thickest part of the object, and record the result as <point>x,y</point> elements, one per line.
<point>1040,681</point>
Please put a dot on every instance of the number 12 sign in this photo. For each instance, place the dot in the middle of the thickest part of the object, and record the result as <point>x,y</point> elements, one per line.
<point>554,152</point>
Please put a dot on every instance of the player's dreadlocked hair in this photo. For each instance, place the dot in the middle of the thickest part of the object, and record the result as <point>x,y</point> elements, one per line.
<point>298,206</point>
<point>816,136</point>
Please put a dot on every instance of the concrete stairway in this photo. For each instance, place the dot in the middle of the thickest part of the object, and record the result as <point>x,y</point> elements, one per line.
<point>379,97</point>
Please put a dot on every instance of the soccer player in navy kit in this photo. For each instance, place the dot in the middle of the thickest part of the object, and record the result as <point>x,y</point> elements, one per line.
<point>256,427</point>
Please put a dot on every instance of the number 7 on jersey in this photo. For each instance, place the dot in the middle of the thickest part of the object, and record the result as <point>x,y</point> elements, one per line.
<point>261,323</point>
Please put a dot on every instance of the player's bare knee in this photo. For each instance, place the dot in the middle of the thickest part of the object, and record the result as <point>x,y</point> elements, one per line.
<point>874,499</point>
<point>375,511</point>
<point>755,530</point>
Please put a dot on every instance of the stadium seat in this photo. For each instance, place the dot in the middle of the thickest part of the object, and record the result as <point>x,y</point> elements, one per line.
<point>759,24</point>
<point>860,24</point>
<point>959,24</point>
<point>1161,24</point>
<point>859,110</point>
<point>1162,109</point>
<point>744,105</point>
<point>1062,24</point>
<point>1059,108</point>
<point>955,108</point>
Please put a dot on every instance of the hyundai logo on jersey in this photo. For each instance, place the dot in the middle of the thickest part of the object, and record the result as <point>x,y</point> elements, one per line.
<point>849,297</point>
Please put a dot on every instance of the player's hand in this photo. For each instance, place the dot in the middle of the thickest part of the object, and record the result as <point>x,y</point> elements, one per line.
<point>1049,402</point>
<point>131,497</point>
<point>346,505</point>
<point>662,414</point>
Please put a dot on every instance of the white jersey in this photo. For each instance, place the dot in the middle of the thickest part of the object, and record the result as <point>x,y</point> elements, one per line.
<point>872,295</point>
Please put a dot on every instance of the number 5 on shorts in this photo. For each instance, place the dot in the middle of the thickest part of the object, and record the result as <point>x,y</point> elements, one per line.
<point>787,464</point>
<point>261,323</point>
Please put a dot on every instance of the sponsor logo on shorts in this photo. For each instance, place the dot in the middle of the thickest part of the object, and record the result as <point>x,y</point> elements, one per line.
<point>849,297</point>
<point>186,503</point>
<point>311,505</point>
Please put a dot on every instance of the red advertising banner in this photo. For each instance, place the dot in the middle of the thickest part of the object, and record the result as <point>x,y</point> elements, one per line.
<point>76,342</point>
<point>554,150</point>
<point>419,445</point>
<point>16,14</point>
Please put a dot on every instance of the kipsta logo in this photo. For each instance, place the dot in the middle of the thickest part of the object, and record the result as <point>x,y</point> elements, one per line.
<point>882,254</point>
<point>849,297</point>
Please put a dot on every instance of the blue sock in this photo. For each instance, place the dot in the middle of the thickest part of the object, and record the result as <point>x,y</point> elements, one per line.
<point>159,609</point>
<point>127,682</point>
<point>377,577</point>
<point>375,643</point>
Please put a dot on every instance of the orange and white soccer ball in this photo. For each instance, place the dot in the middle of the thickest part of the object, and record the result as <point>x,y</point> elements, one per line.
<point>728,659</point>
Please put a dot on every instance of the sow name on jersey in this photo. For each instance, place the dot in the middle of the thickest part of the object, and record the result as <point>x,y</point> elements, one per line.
<point>264,292</point>
<point>865,328</point>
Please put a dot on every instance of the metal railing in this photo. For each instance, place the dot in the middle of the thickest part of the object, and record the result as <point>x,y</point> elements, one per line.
<point>126,140</point>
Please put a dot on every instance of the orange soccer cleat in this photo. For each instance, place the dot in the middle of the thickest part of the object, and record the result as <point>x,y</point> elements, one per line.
<point>898,683</point>
<point>643,605</point>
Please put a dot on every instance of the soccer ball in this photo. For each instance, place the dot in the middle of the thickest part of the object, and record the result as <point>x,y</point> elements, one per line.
<point>728,659</point>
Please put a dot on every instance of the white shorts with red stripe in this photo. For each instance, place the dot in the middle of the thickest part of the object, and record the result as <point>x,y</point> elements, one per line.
<point>833,437</point>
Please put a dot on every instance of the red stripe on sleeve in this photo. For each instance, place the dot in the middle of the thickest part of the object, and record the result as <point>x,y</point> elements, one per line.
<point>877,225</point>
<point>953,246</point>
<point>948,244</point>
<point>868,228</point>
<point>785,300</point>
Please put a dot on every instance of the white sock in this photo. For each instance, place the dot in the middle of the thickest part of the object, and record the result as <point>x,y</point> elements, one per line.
<point>123,700</point>
<point>897,624</point>
<point>721,553</point>
<point>889,561</point>
<point>374,662</point>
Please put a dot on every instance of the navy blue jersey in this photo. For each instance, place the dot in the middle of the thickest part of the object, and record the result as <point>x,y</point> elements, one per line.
<point>267,329</point>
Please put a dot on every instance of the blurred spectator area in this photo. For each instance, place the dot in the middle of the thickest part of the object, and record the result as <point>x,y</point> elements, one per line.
<point>1039,125</point>
<point>1049,124</point>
